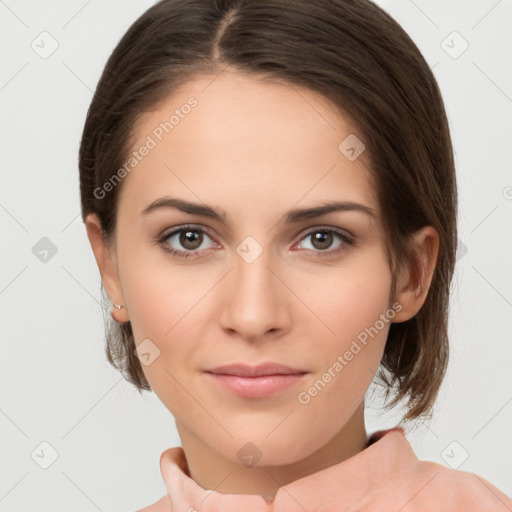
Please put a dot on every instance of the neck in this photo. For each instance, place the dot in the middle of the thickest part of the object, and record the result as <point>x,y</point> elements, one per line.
<point>208,468</point>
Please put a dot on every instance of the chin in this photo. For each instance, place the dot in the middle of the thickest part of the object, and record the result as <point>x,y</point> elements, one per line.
<point>256,448</point>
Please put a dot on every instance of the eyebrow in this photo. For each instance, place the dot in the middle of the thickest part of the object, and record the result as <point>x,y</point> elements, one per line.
<point>292,216</point>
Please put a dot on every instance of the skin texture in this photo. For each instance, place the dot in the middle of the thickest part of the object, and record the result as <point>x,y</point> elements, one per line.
<point>255,150</point>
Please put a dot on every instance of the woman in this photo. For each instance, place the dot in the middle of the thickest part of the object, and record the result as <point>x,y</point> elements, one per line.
<point>269,191</point>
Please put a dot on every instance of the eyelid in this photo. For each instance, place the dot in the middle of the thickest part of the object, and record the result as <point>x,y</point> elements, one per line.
<point>347,238</point>
<point>347,241</point>
<point>340,231</point>
<point>167,233</point>
<point>182,227</point>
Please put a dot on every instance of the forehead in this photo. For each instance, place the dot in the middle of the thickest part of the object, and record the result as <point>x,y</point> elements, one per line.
<point>229,134</point>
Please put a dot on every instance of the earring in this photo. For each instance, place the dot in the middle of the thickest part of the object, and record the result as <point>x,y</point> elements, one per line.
<point>116,306</point>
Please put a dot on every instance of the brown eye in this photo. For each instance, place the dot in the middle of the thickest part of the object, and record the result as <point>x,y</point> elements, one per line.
<point>191,239</point>
<point>322,239</point>
<point>185,242</point>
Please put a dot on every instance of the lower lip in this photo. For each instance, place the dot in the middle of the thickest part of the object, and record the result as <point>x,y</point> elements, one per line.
<point>257,387</point>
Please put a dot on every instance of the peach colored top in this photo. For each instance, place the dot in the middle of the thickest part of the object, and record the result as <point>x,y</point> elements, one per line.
<point>385,477</point>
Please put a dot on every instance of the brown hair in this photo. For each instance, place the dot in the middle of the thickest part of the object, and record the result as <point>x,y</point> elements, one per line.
<point>355,55</point>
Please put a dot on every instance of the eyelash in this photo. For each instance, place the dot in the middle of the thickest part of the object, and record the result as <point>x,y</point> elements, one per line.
<point>346,240</point>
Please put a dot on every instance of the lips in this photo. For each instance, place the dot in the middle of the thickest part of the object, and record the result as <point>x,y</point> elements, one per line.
<point>260,381</point>
<point>244,370</point>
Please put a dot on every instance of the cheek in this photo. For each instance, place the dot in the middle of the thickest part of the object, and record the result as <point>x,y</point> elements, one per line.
<point>349,299</point>
<point>347,365</point>
<point>168,305</point>
<point>355,320</point>
<point>160,294</point>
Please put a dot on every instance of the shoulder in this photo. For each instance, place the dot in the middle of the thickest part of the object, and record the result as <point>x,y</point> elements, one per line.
<point>431,484</point>
<point>420,485</point>
<point>162,505</point>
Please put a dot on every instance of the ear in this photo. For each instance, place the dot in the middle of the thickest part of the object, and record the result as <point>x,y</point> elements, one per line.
<point>413,283</point>
<point>106,259</point>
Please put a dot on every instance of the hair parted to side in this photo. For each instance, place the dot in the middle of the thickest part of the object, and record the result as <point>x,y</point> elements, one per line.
<point>355,55</point>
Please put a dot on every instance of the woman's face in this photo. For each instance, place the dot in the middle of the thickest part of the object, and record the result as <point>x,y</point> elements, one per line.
<point>262,282</point>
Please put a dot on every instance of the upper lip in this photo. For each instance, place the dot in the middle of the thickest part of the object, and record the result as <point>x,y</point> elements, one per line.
<point>245,370</point>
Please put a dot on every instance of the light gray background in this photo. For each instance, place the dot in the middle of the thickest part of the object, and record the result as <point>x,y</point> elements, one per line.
<point>56,385</point>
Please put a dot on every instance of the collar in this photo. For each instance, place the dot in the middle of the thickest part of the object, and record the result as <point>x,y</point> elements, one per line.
<point>388,452</point>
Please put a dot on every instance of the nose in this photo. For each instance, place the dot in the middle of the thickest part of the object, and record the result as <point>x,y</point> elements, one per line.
<point>255,301</point>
